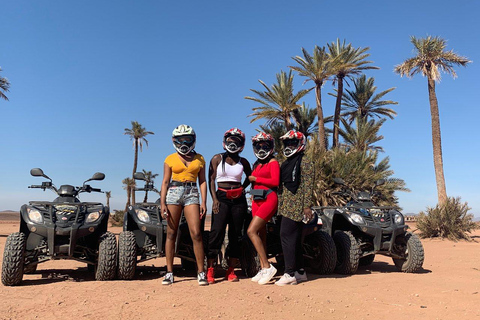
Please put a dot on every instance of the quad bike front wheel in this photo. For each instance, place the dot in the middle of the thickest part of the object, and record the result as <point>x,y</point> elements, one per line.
<point>107,257</point>
<point>348,252</point>
<point>13,259</point>
<point>413,251</point>
<point>320,252</point>
<point>127,255</point>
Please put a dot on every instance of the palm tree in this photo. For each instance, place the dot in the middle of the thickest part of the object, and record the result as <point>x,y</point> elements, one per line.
<point>108,195</point>
<point>349,62</point>
<point>305,120</point>
<point>149,177</point>
<point>364,102</point>
<point>137,134</point>
<point>4,86</point>
<point>129,185</point>
<point>278,102</point>
<point>363,135</point>
<point>431,58</point>
<point>317,68</point>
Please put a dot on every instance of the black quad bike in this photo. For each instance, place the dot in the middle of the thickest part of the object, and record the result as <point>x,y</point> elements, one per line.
<point>144,235</point>
<point>65,228</point>
<point>361,229</point>
<point>319,250</point>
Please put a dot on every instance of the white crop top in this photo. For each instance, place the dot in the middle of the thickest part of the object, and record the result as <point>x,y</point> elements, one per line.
<point>231,173</point>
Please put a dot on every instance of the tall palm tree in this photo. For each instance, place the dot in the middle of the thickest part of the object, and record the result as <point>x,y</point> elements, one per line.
<point>349,62</point>
<point>149,177</point>
<point>317,68</point>
<point>137,134</point>
<point>4,86</point>
<point>108,195</point>
<point>278,102</point>
<point>364,102</point>
<point>129,185</point>
<point>363,135</point>
<point>431,58</point>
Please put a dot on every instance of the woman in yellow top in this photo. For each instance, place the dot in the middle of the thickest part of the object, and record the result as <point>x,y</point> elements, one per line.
<point>180,192</point>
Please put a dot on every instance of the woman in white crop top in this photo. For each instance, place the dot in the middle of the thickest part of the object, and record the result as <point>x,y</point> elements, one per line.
<point>229,202</point>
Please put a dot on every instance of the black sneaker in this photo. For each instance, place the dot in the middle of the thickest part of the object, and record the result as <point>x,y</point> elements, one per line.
<point>168,279</point>
<point>202,279</point>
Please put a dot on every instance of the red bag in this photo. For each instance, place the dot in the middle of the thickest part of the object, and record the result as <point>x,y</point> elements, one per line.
<point>233,193</point>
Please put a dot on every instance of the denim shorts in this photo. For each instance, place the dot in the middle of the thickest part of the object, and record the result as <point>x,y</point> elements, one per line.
<point>183,195</point>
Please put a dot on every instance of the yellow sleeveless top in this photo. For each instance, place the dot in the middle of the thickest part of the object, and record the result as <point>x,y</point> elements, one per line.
<point>182,173</point>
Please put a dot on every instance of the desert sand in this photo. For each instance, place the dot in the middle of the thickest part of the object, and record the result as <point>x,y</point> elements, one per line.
<point>447,288</point>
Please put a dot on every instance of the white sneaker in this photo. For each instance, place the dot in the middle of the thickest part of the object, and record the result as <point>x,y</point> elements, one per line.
<point>267,275</point>
<point>168,279</point>
<point>257,276</point>
<point>301,277</point>
<point>286,279</point>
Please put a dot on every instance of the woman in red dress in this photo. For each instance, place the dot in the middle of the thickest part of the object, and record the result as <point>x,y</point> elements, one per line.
<point>265,179</point>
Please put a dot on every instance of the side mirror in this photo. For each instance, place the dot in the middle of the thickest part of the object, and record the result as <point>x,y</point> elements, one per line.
<point>139,176</point>
<point>37,172</point>
<point>97,176</point>
<point>379,182</point>
<point>339,181</point>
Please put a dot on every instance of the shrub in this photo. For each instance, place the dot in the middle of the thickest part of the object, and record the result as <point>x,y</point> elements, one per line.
<point>116,219</point>
<point>450,220</point>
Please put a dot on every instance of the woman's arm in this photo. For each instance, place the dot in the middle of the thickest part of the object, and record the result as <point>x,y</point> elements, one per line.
<point>274,179</point>
<point>212,174</point>
<point>167,175</point>
<point>247,170</point>
<point>203,192</point>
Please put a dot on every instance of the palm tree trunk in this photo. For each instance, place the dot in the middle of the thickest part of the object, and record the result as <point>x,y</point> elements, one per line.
<point>437,143</point>
<point>135,160</point>
<point>129,191</point>
<point>146,196</point>
<point>321,123</point>
<point>338,106</point>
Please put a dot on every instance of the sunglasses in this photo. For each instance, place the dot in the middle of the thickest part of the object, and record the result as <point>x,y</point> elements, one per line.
<point>262,146</point>
<point>290,142</point>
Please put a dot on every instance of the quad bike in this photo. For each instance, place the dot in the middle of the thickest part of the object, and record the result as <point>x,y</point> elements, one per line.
<point>64,228</point>
<point>144,235</point>
<point>319,250</point>
<point>361,229</point>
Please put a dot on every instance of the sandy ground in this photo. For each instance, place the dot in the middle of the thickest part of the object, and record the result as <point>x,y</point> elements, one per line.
<point>447,288</point>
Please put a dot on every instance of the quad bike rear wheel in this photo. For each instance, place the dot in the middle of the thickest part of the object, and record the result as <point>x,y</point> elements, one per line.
<point>366,261</point>
<point>249,258</point>
<point>414,253</point>
<point>107,257</point>
<point>348,252</point>
<point>127,255</point>
<point>320,252</point>
<point>13,259</point>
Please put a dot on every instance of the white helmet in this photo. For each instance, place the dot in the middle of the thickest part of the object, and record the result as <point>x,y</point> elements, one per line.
<point>184,139</point>
<point>293,142</point>
<point>263,145</point>
<point>234,140</point>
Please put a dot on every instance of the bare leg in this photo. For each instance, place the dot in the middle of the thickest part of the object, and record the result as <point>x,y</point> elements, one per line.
<point>254,230</point>
<point>172,228</point>
<point>192,214</point>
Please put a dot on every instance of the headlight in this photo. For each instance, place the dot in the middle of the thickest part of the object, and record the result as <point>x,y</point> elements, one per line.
<point>142,215</point>
<point>34,215</point>
<point>93,216</point>
<point>357,218</point>
<point>399,218</point>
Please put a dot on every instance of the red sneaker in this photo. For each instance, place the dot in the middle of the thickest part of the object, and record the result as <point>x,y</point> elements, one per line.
<point>230,275</point>
<point>211,275</point>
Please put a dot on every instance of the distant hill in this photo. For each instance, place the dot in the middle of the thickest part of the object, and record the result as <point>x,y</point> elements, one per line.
<point>9,215</point>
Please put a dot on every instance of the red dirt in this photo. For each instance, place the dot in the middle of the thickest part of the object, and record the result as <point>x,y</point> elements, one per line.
<point>447,288</point>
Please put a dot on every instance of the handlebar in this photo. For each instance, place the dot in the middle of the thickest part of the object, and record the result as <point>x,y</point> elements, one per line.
<point>35,186</point>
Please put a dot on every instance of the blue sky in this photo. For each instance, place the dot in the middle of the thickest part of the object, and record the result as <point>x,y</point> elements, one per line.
<point>81,71</point>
